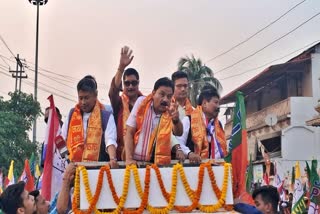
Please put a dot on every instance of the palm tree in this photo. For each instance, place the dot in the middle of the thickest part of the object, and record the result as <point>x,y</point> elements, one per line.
<point>199,75</point>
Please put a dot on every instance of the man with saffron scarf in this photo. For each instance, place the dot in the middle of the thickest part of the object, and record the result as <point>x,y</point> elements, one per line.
<point>90,130</point>
<point>204,138</point>
<point>181,86</point>
<point>122,105</point>
<point>150,127</point>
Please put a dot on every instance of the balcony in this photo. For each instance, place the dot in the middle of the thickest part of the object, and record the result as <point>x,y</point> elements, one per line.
<point>256,120</point>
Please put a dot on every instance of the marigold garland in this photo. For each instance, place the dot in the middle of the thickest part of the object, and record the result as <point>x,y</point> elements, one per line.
<point>143,194</point>
<point>194,195</point>
<point>222,199</point>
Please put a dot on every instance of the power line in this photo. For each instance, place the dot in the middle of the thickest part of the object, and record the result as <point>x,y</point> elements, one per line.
<point>4,42</point>
<point>41,88</point>
<point>4,60</point>
<point>268,63</point>
<point>271,43</point>
<point>49,91</point>
<point>54,88</point>
<point>256,33</point>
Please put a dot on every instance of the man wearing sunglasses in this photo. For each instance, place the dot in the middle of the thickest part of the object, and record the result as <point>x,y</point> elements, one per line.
<point>122,105</point>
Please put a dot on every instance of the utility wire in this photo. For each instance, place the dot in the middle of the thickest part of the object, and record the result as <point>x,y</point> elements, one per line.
<point>4,42</point>
<point>4,60</point>
<point>271,43</point>
<point>268,63</point>
<point>256,33</point>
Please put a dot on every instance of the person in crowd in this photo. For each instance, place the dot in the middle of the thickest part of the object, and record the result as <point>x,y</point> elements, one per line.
<point>123,104</point>
<point>90,130</point>
<point>64,197</point>
<point>46,118</point>
<point>266,199</point>
<point>203,136</point>
<point>151,127</point>
<point>41,203</point>
<point>181,89</point>
<point>16,200</point>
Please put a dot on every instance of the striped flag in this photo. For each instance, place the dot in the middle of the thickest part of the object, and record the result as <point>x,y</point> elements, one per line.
<point>238,149</point>
<point>10,179</point>
<point>27,177</point>
<point>52,175</point>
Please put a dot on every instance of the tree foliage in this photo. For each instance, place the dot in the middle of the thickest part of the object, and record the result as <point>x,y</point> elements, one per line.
<point>199,75</point>
<point>16,118</point>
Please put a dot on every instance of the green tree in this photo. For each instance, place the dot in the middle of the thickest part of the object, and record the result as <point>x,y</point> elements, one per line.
<point>16,119</point>
<point>199,75</point>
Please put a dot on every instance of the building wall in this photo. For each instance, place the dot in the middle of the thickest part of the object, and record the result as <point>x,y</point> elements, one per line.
<point>315,68</point>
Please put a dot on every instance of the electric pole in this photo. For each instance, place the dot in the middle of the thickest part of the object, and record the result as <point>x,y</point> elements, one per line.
<point>17,74</point>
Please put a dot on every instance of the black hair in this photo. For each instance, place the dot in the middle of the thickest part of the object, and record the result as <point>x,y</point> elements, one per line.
<point>87,83</point>
<point>164,81</point>
<point>178,75</point>
<point>34,193</point>
<point>269,194</point>
<point>130,71</point>
<point>207,92</point>
<point>57,110</point>
<point>11,199</point>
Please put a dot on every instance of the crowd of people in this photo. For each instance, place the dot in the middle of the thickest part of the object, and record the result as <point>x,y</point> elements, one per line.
<point>155,128</point>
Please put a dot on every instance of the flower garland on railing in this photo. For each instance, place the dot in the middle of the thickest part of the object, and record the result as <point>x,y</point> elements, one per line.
<point>170,197</point>
<point>222,199</point>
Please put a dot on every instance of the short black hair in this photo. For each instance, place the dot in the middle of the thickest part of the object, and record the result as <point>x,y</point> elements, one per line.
<point>34,193</point>
<point>178,75</point>
<point>269,194</point>
<point>130,71</point>
<point>57,110</point>
<point>10,199</point>
<point>207,92</point>
<point>87,83</point>
<point>164,81</point>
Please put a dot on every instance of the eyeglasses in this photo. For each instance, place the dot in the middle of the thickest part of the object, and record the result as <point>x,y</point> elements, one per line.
<point>133,83</point>
<point>182,86</point>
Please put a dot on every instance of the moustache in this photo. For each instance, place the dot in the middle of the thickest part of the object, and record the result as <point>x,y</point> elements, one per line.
<point>164,104</point>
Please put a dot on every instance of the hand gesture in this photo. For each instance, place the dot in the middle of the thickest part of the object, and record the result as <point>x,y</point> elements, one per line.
<point>173,111</point>
<point>125,58</point>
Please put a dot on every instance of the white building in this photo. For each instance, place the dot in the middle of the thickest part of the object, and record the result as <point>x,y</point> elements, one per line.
<point>279,101</point>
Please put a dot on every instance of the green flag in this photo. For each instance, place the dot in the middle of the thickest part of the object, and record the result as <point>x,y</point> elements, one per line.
<point>249,177</point>
<point>315,185</point>
<point>299,207</point>
<point>239,124</point>
<point>238,149</point>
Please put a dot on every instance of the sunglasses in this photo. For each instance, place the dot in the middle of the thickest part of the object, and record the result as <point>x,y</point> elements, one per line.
<point>133,83</point>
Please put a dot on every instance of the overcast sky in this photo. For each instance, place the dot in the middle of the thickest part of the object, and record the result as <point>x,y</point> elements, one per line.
<point>80,37</point>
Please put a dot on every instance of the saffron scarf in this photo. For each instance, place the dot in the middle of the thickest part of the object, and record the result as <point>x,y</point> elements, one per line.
<point>199,134</point>
<point>85,149</point>
<point>122,126</point>
<point>145,138</point>
<point>188,107</point>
